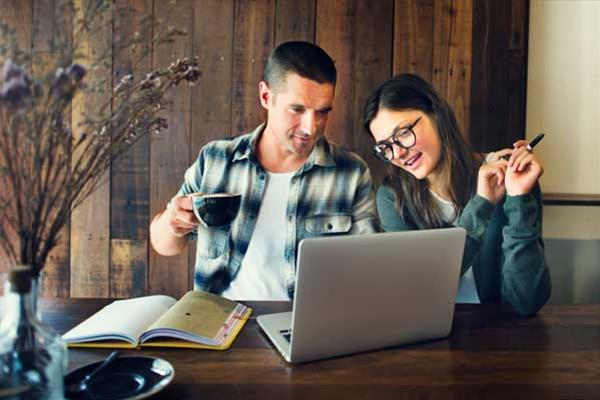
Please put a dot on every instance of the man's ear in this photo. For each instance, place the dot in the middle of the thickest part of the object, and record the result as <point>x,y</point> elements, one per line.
<point>265,94</point>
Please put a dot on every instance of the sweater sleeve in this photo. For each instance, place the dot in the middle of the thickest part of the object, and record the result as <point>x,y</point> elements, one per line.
<point>525,275</point>
<point>475,219</point>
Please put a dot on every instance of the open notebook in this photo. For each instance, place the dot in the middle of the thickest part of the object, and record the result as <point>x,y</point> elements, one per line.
<point>199,320</point>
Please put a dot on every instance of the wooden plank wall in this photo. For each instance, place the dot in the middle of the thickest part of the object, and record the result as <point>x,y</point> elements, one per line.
<point>474,52</point>
<point>130,178</point>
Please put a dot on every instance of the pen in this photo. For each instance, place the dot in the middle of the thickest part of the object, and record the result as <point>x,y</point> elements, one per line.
<point>530,146</point>
<point>535,141</point>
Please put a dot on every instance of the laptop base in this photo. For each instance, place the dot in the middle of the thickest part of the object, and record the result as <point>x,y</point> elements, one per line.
<point>278,328</point>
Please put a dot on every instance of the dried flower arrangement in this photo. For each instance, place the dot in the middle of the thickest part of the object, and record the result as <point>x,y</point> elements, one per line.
<point>47,167</point>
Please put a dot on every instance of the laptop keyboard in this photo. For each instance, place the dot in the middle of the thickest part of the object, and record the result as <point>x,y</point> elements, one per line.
<point>287,334</point>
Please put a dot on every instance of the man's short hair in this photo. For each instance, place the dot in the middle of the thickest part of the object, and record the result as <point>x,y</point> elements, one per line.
<point>303,58</point>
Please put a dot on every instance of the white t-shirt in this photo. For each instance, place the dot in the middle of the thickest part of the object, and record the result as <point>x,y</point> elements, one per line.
<point>260,276</point>
<point>467,289</point>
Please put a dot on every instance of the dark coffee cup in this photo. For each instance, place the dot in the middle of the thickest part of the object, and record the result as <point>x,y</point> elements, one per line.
<point>216,209</point>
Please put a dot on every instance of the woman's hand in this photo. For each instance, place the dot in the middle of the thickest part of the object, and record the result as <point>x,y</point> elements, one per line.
<point>494,156</point>
<point>524,170</point>
<point>490,180</point>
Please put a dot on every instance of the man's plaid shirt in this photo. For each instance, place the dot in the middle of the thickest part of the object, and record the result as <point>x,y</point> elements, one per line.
<point>332,193</point>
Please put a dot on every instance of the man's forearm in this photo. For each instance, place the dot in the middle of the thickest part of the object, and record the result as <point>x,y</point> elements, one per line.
<point>163,240</point>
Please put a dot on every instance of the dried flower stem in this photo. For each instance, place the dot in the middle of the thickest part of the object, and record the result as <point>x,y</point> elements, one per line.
<point>45,169</point>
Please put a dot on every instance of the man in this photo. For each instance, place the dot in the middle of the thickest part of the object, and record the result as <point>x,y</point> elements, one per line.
<point>294,185</point>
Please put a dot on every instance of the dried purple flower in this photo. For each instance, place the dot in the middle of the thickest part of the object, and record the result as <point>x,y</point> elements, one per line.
<point>161,123</point>
<point>66,80</point>
<point>17,87</point>
<point>61,74</point>
<point>158,124</point>
<point>77,72</point>
<point>62,83</point>
<point>12,71</point>
<point>192,74</point>
<point>15,92</point>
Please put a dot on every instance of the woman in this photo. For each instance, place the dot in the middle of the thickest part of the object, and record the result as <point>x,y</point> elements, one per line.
<point>434,180</point>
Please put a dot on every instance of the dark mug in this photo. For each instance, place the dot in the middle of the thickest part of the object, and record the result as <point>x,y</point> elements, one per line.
<point>216,209</point>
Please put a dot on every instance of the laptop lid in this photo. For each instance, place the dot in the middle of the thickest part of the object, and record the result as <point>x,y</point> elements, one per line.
<point>362,292</point>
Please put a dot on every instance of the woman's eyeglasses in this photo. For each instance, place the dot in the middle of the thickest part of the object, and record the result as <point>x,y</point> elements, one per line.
<point>404,137</point>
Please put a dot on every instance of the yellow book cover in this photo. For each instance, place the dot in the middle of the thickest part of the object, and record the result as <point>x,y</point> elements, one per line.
<point>199,320</point>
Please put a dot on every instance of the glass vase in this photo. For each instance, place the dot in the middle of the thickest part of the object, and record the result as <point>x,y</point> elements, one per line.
<point>33,357</point>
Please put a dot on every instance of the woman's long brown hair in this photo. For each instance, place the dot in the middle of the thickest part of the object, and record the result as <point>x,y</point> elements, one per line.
<point>457,165</point>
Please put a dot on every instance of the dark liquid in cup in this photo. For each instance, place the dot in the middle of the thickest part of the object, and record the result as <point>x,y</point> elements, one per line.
<point>217,209</point>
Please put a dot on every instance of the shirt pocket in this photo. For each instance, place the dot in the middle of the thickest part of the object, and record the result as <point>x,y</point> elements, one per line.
<point>328,224</point>
<point>212,241</point>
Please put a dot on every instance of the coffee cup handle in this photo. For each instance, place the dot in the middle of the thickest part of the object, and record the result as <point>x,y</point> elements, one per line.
<point>195,210</point>
<point>199,218</point>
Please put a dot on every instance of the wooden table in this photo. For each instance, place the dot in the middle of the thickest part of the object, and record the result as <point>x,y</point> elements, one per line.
<point>491,354</point>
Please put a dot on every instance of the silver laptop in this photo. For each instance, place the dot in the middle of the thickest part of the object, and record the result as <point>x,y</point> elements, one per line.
<point>363,292</point>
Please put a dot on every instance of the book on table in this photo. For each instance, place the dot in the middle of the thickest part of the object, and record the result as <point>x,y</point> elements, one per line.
<point>199,320</point>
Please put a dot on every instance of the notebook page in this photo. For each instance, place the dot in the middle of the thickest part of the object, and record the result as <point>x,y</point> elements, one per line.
<point>121,319</point>
<point>198,316</point>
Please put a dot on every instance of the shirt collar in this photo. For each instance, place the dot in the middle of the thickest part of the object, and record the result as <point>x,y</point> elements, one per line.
<point>321,155</point>
<point>246,149</point>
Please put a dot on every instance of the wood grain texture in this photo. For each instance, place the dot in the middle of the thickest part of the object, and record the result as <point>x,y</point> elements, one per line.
<point>363,59</point>
<point>295,20</point>
<point>128,266</point>
<point>170,151</point>
<point>453,20</point>
<point>413,37</point>
<point>4,261</point>
<point>372,65</point>
<point>130,176</point>
<point>56,273</point>
<point>43,25</point>
<point>517,71</point>
<point>18,15</point>
<point>499,73</point>
<point>49,28</point>
<point>254,22</point>
<point>90,222</point>
<point>211,95</point>
<point>335,33</point>
<point>490,354</point>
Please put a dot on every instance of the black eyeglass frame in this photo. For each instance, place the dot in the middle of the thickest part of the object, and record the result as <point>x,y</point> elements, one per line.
<point>380,148</point>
